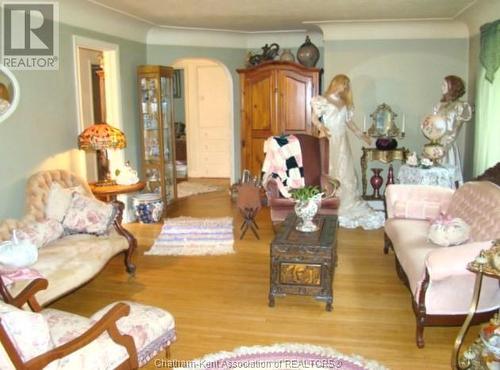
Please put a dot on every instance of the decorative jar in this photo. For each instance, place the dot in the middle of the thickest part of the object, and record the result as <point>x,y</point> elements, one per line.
<point>148,207</point>
<point>308,53</point>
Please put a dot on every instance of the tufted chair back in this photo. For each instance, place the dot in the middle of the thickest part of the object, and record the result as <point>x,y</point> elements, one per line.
<point>478,204</point>
<point>37,190</point>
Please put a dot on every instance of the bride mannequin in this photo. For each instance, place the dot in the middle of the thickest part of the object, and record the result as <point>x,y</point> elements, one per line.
<point>336,111</point>
<point>456,112</point>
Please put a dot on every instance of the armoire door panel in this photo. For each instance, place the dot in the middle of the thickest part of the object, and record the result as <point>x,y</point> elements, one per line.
<point>275,99</point>
<point>257,157</point>
<point>294,102</point>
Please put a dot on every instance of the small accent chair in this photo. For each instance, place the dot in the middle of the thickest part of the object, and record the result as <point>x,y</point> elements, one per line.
<point>315,159</point>
<point>123,335</point>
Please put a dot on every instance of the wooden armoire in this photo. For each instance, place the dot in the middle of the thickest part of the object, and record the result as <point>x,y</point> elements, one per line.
<point>275,99</point>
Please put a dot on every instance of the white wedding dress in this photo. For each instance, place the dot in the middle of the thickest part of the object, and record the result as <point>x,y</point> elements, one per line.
<point>353,211</point>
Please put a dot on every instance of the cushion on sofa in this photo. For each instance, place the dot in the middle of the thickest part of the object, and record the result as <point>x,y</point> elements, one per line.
<point>41,233</point>
<point>88,215</point>
<point>409,239</point>
<point>478,204</point>
<point>415,209</point>
<point>73,260</point>
<point>59,200</point>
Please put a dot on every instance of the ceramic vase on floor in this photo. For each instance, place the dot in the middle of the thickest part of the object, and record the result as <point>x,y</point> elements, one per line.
<point>376,182</point>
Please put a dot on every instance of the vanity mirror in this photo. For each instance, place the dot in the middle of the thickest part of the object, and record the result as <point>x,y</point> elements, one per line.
<point>9,93</point>
<point>383,123</point>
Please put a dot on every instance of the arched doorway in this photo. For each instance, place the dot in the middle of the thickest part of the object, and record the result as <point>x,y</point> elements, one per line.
<point>208,117</point>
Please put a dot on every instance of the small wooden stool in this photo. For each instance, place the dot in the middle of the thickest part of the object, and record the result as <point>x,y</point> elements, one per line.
<point>249,204</point>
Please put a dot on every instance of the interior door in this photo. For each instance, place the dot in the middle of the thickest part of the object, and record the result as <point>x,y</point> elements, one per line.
<point>261,120</point>
<point>295,93</point>
<point>214,132</point>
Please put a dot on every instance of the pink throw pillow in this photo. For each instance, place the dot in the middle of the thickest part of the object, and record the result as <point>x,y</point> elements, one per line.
<point>88,215</point>
<point>417,210</point>
<point>447,231</point>
<point>41,233</point>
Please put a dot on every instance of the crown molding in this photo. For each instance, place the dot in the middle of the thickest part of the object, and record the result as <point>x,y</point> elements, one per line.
<point>96,17</point>
<point>229,39</point>
<point>393,29</point>
<point>479,13</point>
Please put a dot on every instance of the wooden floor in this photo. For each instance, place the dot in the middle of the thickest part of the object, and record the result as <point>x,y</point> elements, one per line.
<point>220,302</point>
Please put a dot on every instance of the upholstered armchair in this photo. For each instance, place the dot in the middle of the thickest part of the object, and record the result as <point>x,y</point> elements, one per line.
<point>123,335</point>
<point>315,159</point>
<point>437,276</point>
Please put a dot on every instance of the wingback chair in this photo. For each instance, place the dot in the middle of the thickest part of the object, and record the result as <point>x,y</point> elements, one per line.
<point>315,159</point>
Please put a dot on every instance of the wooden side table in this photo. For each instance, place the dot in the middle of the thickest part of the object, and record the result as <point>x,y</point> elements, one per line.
<point>384,156</point>
<point>304,263</point>
<point>471,358</point>
<point>108,193</point>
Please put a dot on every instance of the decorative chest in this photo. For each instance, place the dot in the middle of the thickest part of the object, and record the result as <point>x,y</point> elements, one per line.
<point>304,263</point>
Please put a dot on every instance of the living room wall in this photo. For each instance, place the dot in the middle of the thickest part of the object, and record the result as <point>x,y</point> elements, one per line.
<point>403,73</point>
<point>42,132</point>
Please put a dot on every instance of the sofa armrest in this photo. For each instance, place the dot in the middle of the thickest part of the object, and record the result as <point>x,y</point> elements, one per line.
<point>106,324</point>
<point>132,241</point>
<point>416,201</point>
<point>445,262</point>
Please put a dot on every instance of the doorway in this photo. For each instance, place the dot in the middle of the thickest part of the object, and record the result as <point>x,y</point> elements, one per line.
<point>207,101</point>
<point>98,96</point>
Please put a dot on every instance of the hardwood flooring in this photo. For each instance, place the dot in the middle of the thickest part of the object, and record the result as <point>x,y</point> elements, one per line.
<point>220,302</point>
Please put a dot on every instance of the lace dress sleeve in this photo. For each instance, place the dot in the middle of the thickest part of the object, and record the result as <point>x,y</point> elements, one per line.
<point>319,106</point>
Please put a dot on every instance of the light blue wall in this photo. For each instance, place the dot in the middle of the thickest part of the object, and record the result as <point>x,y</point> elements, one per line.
<point>44,126</point>
<point>405,74</point>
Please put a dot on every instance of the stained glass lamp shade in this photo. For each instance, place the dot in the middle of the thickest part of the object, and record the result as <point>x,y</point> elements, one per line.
<point>100,137</point>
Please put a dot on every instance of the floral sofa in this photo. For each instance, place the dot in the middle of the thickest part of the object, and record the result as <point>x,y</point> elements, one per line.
<point>440,284</point>
<point>71,260</point>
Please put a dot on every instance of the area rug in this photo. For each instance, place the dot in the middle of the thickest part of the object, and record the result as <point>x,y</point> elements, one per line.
<point>191,236</point>
<point>283,356</point>
<point>187,188</point>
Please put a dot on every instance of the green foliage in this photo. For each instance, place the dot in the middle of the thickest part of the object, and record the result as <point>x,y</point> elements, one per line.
<point>305,193</point>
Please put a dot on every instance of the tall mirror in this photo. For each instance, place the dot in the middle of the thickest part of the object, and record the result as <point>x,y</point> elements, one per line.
<point>9,93</point>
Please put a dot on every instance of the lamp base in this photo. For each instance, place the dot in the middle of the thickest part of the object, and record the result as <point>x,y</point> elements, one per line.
<point>103,175</point>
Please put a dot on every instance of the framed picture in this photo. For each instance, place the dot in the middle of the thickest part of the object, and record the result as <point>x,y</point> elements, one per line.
<point>177,83</point>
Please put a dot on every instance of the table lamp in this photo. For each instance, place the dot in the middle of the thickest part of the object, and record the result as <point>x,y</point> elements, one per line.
<point>100,137</point>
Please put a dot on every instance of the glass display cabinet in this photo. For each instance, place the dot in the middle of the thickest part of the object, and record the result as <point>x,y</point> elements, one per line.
<point>155,85</point>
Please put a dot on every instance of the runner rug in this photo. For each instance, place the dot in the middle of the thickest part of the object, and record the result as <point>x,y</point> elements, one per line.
<point>283,356</point>
<point>194,237</point>
<point>188,188</point>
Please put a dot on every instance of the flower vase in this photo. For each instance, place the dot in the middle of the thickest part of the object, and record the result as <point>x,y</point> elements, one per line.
<point>305,211</point>
<point>376,182</point>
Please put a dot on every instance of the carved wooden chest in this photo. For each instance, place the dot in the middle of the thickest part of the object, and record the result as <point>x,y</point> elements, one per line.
<point>304,263</point>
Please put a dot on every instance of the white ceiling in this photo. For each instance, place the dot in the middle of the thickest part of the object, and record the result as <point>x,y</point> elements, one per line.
<point>273,15</point>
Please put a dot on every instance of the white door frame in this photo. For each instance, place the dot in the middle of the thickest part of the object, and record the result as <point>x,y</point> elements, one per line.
<point>179,64</point>
<point>111,53</point>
